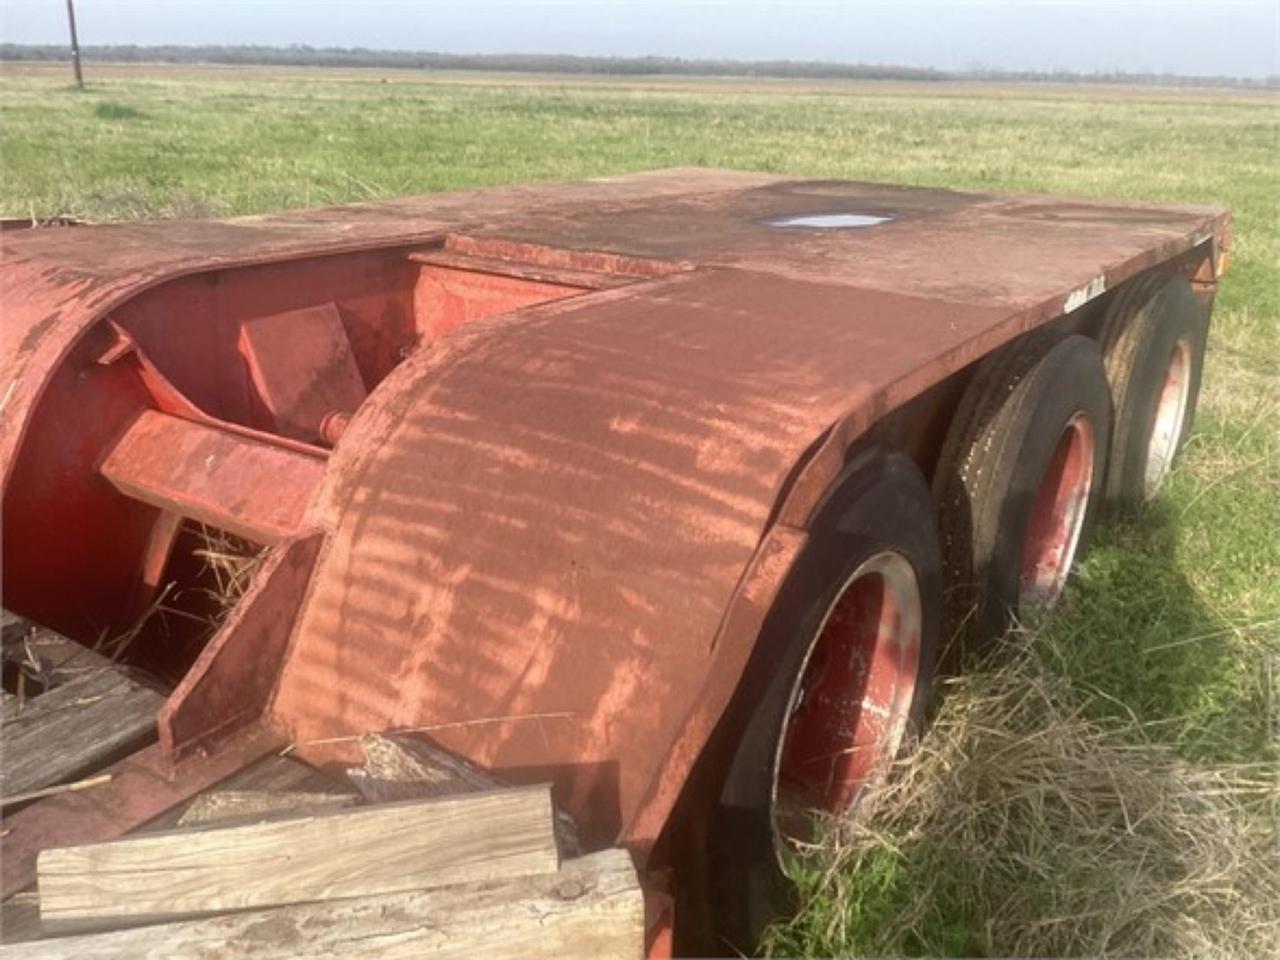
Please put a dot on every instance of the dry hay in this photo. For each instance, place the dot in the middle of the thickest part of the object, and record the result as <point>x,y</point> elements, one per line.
<point>228,565</point>
<point>231,561</point>
<point>1044,831</point>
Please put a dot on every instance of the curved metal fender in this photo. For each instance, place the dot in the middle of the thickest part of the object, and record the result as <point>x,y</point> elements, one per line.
<point>554,535</point>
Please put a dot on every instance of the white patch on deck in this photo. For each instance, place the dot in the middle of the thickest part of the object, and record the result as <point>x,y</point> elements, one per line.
<point>829,221</point>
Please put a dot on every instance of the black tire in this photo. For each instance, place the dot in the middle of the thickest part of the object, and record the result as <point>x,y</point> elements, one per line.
<point>882,506</point>
<point>1007,432</point>
<point>1153,335</point>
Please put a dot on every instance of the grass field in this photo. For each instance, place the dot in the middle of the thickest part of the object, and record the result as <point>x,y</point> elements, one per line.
<point>1173,619</point>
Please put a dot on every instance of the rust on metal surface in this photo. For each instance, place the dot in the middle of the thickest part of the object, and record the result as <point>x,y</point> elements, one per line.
<point>449,295</point>
<point>598,419</point>
<point>449,259</point>
<point>231,682</point>
<point>302,369</point>
<point>252,490</point>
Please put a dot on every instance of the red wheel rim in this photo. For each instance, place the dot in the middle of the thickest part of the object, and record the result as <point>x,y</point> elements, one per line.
<point>1057,516</point>
<point>849,708</point>
<point>1170,415</point>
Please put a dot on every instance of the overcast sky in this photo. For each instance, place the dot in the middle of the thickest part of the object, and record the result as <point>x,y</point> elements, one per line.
<point>1226,37</point>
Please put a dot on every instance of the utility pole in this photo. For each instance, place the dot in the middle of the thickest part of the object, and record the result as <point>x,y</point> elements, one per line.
<point>75,45</point>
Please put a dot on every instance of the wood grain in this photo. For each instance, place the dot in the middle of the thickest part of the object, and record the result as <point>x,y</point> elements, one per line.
<point>225,807</point>
<point>89,713</point>
<point>397,767</point>
<point>45,655</point>
<point>302,789</point>
<point>75,729</point>
<point>372,850</point>
<point>401,767</point>
<point>592,907</point>
<point>20,918</point>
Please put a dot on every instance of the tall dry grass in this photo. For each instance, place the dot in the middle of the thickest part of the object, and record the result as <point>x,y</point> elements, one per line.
<point>1025,825</point>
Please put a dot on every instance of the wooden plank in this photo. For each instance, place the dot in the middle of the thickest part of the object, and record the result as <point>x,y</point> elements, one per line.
<point>271,776</point>
<point>225,807</point>
<point>274,772</point>
<point>20,918</point>
<point>402,767</point>
<point>75,729</point>
<point>141,787</point>
<point>45,655</point>
<point>592,907</point>
<point>398,767</point>
<point>372,850</point>
<point>88,715</point>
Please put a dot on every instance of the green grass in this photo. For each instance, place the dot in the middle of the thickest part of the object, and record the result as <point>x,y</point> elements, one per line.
<point>883,888</point>
<point>1173,618</point>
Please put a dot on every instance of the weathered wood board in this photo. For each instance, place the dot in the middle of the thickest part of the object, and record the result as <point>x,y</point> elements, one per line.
<point>224,807</point>
<point>274,786</point>
<point>372,850</point>
<point>88,714</point>
<point>592,907</point>
<point>402,767</point>
<point>75,729</point>
<point>398,767</point>
<point>46,655</point>
<point>20,917</point>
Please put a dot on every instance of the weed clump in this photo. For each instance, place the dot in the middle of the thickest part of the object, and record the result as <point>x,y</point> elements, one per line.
<point>1025,826</point>
<point>117,111</point>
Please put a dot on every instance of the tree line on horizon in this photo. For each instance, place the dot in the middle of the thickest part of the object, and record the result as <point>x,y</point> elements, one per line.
<point>306,56</point>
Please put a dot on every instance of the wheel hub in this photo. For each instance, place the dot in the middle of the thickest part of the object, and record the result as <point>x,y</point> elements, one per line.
<point>1057,516</point>
<point>849,709</point>
<point>1170,415</point>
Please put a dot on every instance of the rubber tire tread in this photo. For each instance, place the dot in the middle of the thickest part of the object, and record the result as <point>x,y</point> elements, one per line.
<point>983,458</point>
<point>1141,326</point>
<point>882,503</point>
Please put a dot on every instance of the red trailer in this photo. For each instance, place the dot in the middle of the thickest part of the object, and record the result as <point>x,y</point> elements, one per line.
<point>665,488</point>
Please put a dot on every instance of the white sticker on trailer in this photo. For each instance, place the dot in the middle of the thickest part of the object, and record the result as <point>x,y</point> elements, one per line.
<point>1078,298</point>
